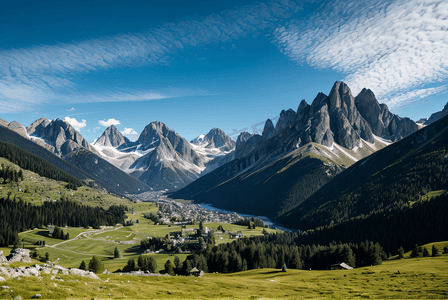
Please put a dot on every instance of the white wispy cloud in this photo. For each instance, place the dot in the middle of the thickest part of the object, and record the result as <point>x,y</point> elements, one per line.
<point>109,122</point>
<point>390,47</point>
<point>76,124</point>
<point>71,109</point>
<point>129,131</point>
<point>405,98</point>
<point>47,73</point>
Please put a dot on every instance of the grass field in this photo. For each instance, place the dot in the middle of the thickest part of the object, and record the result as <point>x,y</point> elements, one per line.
<point>102,243</point>
<point>398,279</point>
<point>36,189</point>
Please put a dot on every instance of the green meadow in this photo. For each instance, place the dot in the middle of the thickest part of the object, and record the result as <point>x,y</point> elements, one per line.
<point>84,243</point>
<point>416,278</point>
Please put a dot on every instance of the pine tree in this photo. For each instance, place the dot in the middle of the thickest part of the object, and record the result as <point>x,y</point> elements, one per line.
<point>95,265</point>
<point>425,252</point>
<point>434,251</point>
<point>445,250</point>
<point>82,266</point>
<point>415,251</point>
<point>400,252</point>
<point>169,268</point>
<point>117,253</point>
<point>152,265</point>
<point>177,264</point>
<point>47,256</point>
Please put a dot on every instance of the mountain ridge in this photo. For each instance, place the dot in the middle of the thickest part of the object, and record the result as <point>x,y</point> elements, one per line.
<point>331,127</point>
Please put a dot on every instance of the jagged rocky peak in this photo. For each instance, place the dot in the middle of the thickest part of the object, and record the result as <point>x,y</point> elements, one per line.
<point>112,137</point>
<point>242,138</point>
<point>157,133</point>
<point>382,122</point>
<point>37,126</point>
<point>268,130</point>
<point>60,134</point>
<point>286,118</point>
<point>215,138</point>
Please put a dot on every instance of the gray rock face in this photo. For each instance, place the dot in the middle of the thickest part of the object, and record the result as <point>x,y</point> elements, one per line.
<point>216,138</point>
<point>169,161</point>
<point>268,130</point>
<point>17,127</point>
<point>242,138</point>
<point>112,137</point>
<point>347,124</point>
<point>58,134</point>
<point>285,120</point>
<point>383,123</point>
<point>251,143</point>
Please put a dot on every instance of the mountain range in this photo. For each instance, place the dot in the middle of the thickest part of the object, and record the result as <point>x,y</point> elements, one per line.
<point>273,174</point>
<point>277,171</point>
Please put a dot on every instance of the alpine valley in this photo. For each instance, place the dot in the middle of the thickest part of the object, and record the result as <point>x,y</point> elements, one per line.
<point>269,174</point>
<point>356,184</point>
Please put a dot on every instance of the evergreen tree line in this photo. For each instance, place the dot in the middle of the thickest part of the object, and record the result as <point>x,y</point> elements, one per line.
<point>9,174</point>
<point>279,250</point>
<point>144,263</point>
<point>33,163</point>
<point>58,233</point>
<point>389,188</point>
<point>251,222</point>
<point>17,216</point>
<point>419,223</point>
<point>155,243</point>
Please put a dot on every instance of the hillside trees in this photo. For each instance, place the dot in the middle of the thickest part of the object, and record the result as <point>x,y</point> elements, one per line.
<point>31,162</point>
<point>18,216</point>
<point>95,265</point>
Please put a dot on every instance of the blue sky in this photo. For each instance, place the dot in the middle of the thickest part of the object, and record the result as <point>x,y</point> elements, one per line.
<point>195,65</point>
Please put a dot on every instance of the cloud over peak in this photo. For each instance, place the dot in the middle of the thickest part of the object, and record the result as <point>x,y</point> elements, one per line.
<point>75,123</point>
<point>109,122</point>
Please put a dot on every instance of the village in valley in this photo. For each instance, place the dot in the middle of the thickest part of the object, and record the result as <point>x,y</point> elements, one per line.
<point>190,223</point>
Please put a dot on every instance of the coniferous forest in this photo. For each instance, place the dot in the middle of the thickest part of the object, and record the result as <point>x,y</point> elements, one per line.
<point>17,216</point>
<point>33,163</point>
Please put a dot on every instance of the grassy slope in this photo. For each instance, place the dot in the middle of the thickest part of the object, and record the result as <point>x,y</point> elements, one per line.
<point>102,244</point>
<point>398,279</point>
<point>36,189</point>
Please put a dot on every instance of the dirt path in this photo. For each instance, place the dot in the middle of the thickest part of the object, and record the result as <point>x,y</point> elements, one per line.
<point>86,235</point>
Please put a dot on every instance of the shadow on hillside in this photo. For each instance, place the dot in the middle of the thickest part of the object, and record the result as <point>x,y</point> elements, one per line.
<point>272,272</point>
<point>43,233</point>
<point>133,249</point>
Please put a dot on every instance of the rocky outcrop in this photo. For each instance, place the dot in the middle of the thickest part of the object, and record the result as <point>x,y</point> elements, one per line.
<point>17,127</point>
<point>251,143</point>
<point>285,120</point>
<point>19,255</point>
<point>382,122</point>
<point>47,268</point>
<point>268,130</point>
<point>112,137</point>
<point>58,134</point>
<point>215,138</point>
